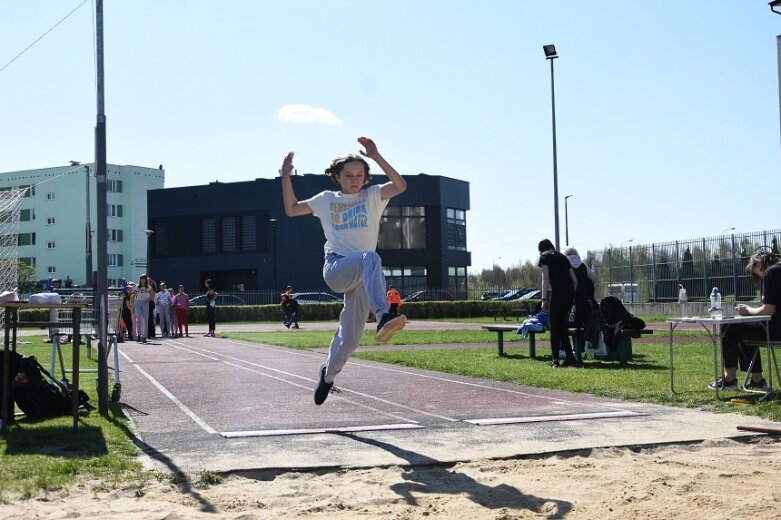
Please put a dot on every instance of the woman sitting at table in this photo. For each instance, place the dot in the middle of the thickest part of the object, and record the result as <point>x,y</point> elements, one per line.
<point>762,266</point>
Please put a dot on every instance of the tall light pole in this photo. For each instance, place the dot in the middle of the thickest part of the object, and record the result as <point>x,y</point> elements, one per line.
<point>626,242</point>
<point>274,248</point>
<point>149,233</point>
<point>550,55</point>
<point>566,221</point>
<point>493,264</point>
<point>775,6</point>
<point>101,284</point>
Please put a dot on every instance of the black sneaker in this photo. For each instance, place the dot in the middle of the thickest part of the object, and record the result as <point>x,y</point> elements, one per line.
<point>323,389</point>
<point>722,384</point>
<point>757,385</point>
<point>388,326</point>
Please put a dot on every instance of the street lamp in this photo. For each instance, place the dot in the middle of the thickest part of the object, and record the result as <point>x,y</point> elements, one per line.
<point>775,4</point>
<point>550,54</point>
<point>731,228</point>
<point>566,221</point>
<point>274,247</point>
<point>627,242</point>
<point>493,264</point>
<point>149,233</point>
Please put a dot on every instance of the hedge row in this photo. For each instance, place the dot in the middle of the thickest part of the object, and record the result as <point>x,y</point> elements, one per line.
<point>330,311</point>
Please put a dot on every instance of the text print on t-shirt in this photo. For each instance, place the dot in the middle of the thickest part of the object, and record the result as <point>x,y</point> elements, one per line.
<point>349,216</point>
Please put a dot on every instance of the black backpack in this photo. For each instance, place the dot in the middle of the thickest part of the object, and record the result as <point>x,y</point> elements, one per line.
<point>615,319</point>
<point>38,398</point>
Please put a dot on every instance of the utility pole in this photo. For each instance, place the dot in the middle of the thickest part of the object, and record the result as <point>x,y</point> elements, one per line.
<point>101,288</point>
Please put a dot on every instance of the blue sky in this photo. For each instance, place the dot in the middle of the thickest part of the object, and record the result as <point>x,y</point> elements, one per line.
<point>667,111</point>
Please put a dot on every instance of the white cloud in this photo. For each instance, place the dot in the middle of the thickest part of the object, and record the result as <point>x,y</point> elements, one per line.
<point>306,114</point>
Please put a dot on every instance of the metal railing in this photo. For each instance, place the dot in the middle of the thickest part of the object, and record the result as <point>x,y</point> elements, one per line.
<point>651,273</point>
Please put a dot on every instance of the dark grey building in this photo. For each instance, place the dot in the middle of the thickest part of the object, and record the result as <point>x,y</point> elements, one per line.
<point>238,235</point>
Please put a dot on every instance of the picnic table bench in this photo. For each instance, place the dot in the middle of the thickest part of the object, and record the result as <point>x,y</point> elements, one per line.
<point>622,353</point>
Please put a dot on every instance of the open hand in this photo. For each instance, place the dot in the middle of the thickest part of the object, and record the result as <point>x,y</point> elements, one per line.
<point>287,165</point>
<point>371,148</point>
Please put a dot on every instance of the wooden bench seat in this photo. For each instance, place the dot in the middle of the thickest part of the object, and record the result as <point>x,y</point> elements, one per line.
<point>622,353</point>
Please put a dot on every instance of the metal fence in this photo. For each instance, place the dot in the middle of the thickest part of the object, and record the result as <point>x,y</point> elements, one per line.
<point>651,273</point>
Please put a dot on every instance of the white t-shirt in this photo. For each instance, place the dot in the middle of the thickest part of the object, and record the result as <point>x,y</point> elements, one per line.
<point>351,223</point>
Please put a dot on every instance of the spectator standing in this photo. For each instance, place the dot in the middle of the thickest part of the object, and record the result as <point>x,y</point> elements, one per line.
<point>558,294</point>
<point>182,306</point>
<point>394,300</point>
<point>211,305</point>
<point>163,308</point>
<point>143,296</point>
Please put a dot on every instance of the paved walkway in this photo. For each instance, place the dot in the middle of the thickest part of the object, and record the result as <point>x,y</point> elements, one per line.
<point>219,404</point>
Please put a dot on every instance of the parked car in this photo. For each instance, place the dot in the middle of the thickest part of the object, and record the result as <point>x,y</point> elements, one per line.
<point>223,299</point>
<point>514,294</point>
<point>315,297</point>
<point>531,295</point>
<point>430,295</point>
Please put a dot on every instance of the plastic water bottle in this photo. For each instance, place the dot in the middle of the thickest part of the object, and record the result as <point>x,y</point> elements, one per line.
<point>715,304</point>
<point>683,300</point>
<point>562,354</point>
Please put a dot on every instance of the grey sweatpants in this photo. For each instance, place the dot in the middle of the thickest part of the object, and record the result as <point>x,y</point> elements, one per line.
<point>359,276</point>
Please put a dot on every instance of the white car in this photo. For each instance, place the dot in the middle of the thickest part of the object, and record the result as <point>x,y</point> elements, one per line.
<point>315,297</point>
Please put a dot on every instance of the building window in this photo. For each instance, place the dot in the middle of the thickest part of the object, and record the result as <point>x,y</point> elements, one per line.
<point>403,227</point>
<point>406,279</point>
<point>249,236</point>
<point>26,215</point>
<point>29,260</point>
<point>114,260</point>
<point>456,229</point>
<point>50,221</point>
<point>115,235</point>
<point>26,239</point>
<point>114,186</point>
<point>51,269</point>
<point>209,235</point>
<point>229,234</point>
<point>50,195</point>
<point>456,281</point>
<point>30,190</point>
<point>50,245</point>
<point>114,210</point>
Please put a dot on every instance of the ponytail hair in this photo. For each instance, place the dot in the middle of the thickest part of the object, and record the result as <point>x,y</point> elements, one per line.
<point>764,258</point>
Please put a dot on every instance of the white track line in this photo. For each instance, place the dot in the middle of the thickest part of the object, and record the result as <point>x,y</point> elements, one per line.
<point>390,368</point>
<point>200,422</point>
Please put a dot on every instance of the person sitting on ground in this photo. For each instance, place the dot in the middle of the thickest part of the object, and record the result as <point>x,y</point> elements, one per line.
<point>764,267</point>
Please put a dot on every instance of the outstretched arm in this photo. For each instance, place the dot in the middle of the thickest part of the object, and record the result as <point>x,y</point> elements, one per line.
<point>397,184</point>
<point>293,208</point>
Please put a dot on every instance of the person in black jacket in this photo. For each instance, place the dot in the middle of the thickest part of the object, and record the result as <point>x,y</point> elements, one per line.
<point>558,294</point>
<point>764,267</point>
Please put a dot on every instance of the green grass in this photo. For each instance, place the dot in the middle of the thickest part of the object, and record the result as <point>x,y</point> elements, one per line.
<point>48,455</point>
